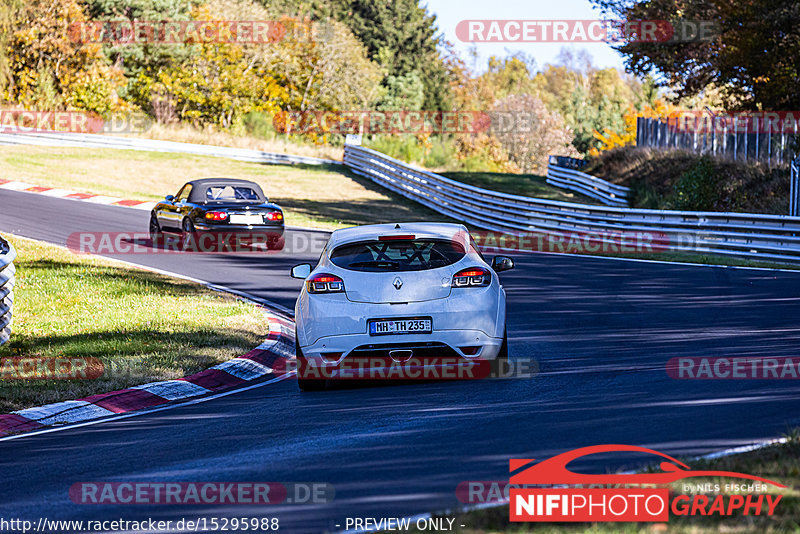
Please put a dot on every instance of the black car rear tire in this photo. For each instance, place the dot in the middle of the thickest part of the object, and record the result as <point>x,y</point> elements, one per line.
<point>155,229</point>
<point>188,234</point>
<point>305,384</point>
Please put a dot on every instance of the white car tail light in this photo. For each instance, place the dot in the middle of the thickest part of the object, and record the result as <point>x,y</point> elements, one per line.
<point>325,283</point>
<point>472,277</point>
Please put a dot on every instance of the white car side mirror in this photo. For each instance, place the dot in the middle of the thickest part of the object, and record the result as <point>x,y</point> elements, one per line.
<point>301,271</point>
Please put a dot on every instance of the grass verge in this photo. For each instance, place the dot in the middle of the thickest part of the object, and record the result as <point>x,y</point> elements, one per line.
<point>779,462</point>
<point>317,196</point>
<point>272,142</point>
<point>529,185</point>
<point>143,326</point>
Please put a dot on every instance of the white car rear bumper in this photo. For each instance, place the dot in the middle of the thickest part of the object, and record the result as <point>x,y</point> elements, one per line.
<point>472,318</point>
<point>324,350</point>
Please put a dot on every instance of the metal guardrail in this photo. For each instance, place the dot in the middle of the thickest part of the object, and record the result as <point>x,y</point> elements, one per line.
<point>10,136</point>
<point>568,162</point>
<point>7,271</point>
<point>563,172</point>
<point>744,235</point>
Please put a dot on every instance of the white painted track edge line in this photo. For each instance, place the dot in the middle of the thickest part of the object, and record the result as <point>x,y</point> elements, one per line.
<point>147,410</point>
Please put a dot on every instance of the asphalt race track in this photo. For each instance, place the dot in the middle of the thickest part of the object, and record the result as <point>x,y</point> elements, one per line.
<point>602,331</point>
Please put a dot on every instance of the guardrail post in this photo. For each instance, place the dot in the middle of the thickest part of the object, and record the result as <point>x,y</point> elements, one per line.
<point>794,190</point>
<point>7,271</point>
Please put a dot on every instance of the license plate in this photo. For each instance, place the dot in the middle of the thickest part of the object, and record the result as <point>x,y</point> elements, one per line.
<point>381,327</point>
<point>246,218</point>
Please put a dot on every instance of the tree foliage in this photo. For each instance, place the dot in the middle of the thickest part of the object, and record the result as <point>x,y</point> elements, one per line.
<point>753,55</point>
<point>221,83</point>
<point>136,58</point>
<point>8,11</point>
<point>545,134</point>
<point>46,69</point>
<point>403,38</point>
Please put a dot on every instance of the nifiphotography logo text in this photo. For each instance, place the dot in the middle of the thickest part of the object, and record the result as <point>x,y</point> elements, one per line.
<point>576,497</point>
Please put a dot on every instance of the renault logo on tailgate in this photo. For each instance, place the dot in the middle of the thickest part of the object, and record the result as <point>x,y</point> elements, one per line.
<point>397,283</point>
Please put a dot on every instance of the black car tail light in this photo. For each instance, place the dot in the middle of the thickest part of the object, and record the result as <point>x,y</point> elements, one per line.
<point>216,215</point>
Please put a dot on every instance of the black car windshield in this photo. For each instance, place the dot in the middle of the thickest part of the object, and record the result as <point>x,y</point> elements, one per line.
<point>227,192</point>
<point>405,255</point>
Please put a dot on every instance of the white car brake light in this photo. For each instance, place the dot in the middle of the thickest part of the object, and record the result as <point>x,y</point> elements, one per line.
<point>325,283</point>
<point>472,277</point>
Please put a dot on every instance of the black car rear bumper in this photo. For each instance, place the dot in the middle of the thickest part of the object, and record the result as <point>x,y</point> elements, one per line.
<point>276,231</point>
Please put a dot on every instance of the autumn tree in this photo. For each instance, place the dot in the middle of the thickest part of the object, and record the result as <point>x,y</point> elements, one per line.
<point>590,100</point>
<point>752,49</point>
<point>146,57</point>
<point>533,133</point>
<point>309,66</point>
<point>48,69</point>
<point>8,10</point>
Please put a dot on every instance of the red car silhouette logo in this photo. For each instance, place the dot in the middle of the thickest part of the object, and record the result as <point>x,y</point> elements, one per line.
<point>554,470</point>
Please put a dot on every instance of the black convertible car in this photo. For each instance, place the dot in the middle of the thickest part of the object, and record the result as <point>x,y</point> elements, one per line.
<point>235,210</point>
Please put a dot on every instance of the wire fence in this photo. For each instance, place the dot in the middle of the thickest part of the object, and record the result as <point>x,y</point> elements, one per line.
<point>737,138</point>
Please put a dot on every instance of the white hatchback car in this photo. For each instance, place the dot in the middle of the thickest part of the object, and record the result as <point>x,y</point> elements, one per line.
<point>393,292</point>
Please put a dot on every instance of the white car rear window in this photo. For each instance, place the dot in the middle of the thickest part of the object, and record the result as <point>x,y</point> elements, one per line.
<point>397,256</point>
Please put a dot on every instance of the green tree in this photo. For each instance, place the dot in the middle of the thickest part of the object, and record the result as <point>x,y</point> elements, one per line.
<point>512,75</point>
<point>594,100</point>
<point>149,58</point>
<point>403,92</point>
<point>399,35</point>
<point>403,37</point>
